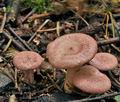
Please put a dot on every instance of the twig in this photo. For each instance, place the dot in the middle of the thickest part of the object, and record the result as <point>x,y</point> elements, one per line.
<point>28,84</point>
<point>22,41</point>
<point>16,81</point>
<point>54,73</point>
<point>112,45</point>
<point>8,44</point>
<point>32,37</point>
<point>38,16</point>
<point>93,11</point>
<point>54,83</point>
<point>104,3</point>
<point>106,29</point>
<point>34,92</point>
<point>114,81</point>
<point>97,98</point>
<point>77,25</point>
<point>106,36</point>
<point>45,90</point>
<point>14,42</point>
<point>112,22</point>
<point>116,10</point>
<point>81,18</point>
<point>47,30</point>
<point>28,15</point>
<point>93,28</point>
<point>109,41</point>
<point>3,23</point>
<point>58,28</point>
<point>115,47</point>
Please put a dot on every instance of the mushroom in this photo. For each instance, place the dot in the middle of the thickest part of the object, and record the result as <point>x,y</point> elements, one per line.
<point>104,61</point>
<point>27,61</point>
<point>90,80</point>
<point>70,51</point>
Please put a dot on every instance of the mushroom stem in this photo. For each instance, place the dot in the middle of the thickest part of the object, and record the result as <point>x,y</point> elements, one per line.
<point>68,87</point>
<point>70,74</point>
<point>29,76</point>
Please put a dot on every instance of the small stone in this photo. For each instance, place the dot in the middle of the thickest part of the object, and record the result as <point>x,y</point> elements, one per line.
<point>4,80</point>
<point>1,59</point>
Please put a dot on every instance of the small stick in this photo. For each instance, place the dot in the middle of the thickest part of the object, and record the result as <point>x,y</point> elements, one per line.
<point>54,73</point>
<point>28,15</point>
<point>58,28</point>
<point>94,27</point>
<point>22,41</point>
<point>49,30</point>
<point>115,47</point>
<point>53,29</point>
<point>77,26</point>
<point>109,41</point>
<point>114,81</point>
<point>14,42</point>
<point>32,37</point>
<point>54,83</point>
<point>38,16</point>
<point>81,18</point>
<point>34,92</point>
<point>8,44</point>
<point>16,81</point>
<point>3,22</point>
<point>97,98</point>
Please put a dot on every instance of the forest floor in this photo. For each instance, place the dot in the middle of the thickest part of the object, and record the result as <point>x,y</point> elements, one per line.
<point>27,26</point>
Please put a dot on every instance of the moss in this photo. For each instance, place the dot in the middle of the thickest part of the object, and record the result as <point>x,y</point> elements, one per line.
<point>40,5</point>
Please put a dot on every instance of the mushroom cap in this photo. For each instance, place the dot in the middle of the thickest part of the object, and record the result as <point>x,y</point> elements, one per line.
<point>26,60</point>
<point>71,50</point>
<point>90,80</point>
<point>104,61</point>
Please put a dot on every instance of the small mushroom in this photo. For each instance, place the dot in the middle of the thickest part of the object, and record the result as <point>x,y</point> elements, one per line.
<point>104,61</point>
<point>71,50</point>
<point>90,80</point>
<point>27,61</point>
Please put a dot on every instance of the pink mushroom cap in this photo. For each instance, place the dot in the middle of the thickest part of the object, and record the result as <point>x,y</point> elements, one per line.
<point>26,60</point>
<point>104,61</point>
<point>71,50</point>
<point>90,80</point>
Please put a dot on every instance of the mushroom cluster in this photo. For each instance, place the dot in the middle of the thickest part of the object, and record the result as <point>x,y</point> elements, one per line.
<point>78,54</point>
